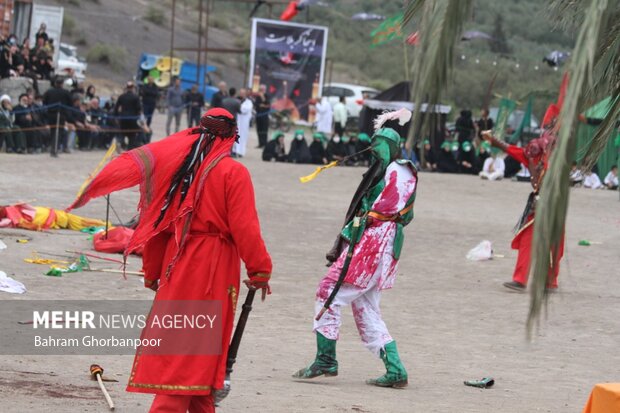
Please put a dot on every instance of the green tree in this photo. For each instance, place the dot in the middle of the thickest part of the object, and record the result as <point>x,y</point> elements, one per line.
<point>499,44</point>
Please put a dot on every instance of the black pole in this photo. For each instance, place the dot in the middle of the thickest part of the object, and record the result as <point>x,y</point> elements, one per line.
<point>54,151</point>
<point>236,340</point>
<point>107,215</point>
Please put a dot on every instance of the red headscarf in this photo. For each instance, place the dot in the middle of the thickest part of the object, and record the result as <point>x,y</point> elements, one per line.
<point>156,165</point>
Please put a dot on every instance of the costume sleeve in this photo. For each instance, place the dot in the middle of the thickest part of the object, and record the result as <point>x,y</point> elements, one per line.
<point>153,257</point>
<point>121,173</point>
<point>517,153</point>
<point>243,222</point>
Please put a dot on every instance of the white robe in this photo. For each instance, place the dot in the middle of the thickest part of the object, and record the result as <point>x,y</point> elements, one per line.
<point>611,179</point>
<point>243,123</point>
<point>592,181</point>
<point>493,169</point>
<point>324,117</point>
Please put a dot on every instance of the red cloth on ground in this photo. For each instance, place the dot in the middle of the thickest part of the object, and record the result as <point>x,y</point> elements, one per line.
<point>116,242</point>
<point>523,243</point>
<point>164,403</point>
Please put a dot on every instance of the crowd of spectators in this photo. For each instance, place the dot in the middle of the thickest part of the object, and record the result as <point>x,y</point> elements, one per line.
<point>21,59</point>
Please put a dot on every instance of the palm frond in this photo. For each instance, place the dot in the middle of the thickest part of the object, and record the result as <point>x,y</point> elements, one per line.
<point>552,207</point>
<point>440,25</point>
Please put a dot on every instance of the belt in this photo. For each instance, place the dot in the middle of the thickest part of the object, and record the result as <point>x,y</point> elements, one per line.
<point>381,217</point>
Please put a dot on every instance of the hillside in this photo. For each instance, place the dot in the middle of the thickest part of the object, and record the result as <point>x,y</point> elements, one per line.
<point>129,27</point>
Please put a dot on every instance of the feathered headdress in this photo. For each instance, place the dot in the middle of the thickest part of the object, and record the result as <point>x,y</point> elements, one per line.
<point>402,115</point>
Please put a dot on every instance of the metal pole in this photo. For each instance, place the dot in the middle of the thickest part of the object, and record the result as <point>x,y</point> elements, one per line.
<point>206,43</point>
<point>174,4</point>
<point>198,60</point>
<point>55,148</point>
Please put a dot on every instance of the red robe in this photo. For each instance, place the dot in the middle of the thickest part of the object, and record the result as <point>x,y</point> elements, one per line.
<point>523,239</point>
<point>194,252</point>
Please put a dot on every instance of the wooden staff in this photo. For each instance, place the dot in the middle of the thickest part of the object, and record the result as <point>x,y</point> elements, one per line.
<point>96,371</point>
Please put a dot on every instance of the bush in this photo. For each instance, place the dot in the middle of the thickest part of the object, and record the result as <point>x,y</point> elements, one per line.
<point>113,56</point>
<point>155,16</point>
<point>68,24</point>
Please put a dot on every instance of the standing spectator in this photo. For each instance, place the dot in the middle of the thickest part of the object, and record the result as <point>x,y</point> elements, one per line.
<point>611,180</point>
<point>231,103</point>
<point>110,122</point>
<point>465,127</point>
<point>340,116</point>
<point>174,101</point>
<point>216,99</point>
<point>60,100</point>
<point>42,34</point>
<point>243,122</point>
<point>15,141</point>
<point>96,117</point>
<point>23,119</point>
<point>592,181</point>
<point>6,59</point>
<point>129,109</point>
<point>324,117</point>
<point>149,94</point>
<point>484,123</point>
<point>196,103</point>
<point>262,104</point>
<point>42,66</point>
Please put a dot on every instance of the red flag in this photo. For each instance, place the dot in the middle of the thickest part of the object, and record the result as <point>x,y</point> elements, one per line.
<point>290,11</point>
<point>563,87</point>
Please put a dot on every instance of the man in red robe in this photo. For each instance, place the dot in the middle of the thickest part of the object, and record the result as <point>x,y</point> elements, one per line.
<point>535,157</point>
<point>197,220</point>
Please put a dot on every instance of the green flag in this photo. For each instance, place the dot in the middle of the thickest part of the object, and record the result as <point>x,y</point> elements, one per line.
<point>388,30</point>
<point>526,122</point>
<point>506,106</point>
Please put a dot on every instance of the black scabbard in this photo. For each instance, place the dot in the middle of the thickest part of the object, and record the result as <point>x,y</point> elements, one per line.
<point>236,340</point>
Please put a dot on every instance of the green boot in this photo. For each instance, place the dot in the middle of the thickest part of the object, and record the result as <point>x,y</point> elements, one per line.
<point>325,362</point>
<point>396,375</point>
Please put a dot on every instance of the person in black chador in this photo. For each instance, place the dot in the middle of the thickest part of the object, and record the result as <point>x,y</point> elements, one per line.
<point>467,159</point>
<point>317,150</point>
<point>445,159</point>
<point>336,149</point>
<point>275,149</point>
<point>299,151</point>
<point>465,127</point>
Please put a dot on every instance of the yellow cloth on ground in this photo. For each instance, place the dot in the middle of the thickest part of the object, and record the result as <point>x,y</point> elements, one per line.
<point>49,218</point>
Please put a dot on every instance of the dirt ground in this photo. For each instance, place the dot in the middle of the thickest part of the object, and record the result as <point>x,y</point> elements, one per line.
<point>452,318</point>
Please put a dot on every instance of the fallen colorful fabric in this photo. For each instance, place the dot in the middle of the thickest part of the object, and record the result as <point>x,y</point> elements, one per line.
<point>38,218</point>
<point>9,285</point>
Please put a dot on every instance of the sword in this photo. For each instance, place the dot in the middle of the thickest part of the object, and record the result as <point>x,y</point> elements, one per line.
<point>221,394</point>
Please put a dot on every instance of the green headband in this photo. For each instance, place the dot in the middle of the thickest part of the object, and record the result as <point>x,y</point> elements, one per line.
<point>276,135</point>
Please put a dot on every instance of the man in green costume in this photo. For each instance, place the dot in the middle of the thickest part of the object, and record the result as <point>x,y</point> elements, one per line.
<point>364,261</point>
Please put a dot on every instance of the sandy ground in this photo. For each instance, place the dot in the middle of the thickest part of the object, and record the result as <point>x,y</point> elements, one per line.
<point>452,319</point>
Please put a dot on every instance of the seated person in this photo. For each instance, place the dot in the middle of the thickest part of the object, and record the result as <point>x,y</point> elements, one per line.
<point>611,180</point>
<point>363,143</point>
<point>9,132</point>
<point>592,181</point>
<point>494,167</point>
<point>299,151</point>
<point>275,149</point>
<point>317,150</point>
<point>576,177</point>
<point>336,149</point>
<point>430,163</point>
<point>512,167</point>
<point>467,159</point>
<point>484,151</point>
<point>23,119</point>
<point>524,174</point>
<point>445,160</point>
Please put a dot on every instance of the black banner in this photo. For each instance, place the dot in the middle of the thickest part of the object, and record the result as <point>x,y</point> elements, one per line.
<point>289,60</point>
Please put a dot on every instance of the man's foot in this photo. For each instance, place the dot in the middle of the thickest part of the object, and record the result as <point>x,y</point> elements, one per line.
<point>324,364</point>
<point>515,286</point>
<point>396,375</point>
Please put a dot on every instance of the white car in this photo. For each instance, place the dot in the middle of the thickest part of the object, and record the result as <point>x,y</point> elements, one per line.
<point>68,60</point>
<point>354,96</point>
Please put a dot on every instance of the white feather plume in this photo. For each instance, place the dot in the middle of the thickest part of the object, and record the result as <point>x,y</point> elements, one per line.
<point>402,115</point>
